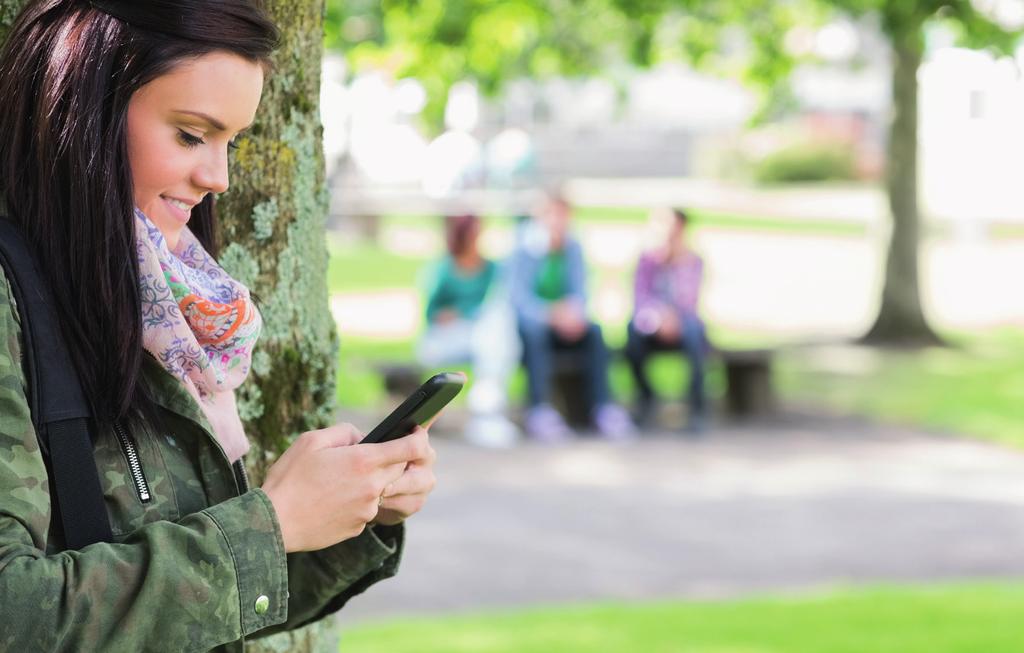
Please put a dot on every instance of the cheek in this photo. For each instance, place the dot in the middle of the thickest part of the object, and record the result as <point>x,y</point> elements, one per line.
<point>156,163</point>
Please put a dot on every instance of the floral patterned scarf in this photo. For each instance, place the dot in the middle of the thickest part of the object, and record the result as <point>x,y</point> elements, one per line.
<point>199,323</point>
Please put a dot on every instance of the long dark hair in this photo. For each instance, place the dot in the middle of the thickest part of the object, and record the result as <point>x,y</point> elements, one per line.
<point>67,72</point>
<point>458,231</point>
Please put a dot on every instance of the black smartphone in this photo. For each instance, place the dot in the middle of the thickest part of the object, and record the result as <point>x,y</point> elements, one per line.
<point>421,407</point>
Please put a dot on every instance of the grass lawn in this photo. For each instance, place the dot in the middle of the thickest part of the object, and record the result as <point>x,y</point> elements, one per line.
<point>974,388</point>
<point>943,619</point>
<point>364,266</point>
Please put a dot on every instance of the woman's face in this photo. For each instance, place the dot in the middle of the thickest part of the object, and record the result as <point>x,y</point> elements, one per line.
<point>180,127</point>
<point>666,228</point>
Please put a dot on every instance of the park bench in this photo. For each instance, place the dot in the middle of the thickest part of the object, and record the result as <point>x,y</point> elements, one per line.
<point>749,388</point>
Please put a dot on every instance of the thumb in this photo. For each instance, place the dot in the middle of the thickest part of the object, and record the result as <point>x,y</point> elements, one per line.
<point>339,435</point>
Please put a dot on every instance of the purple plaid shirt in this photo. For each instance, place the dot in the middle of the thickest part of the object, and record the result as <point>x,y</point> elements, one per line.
<point>659,284</point>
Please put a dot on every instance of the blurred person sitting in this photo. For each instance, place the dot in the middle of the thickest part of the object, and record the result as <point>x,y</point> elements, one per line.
<point>667,287</point>
<point>469,321</point>
<point>547,284</point>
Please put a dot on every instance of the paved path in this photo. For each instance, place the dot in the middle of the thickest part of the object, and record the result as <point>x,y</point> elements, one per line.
<point>788,507</point>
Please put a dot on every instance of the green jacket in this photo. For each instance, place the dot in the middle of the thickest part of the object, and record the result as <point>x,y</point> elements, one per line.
<point>198,563</point>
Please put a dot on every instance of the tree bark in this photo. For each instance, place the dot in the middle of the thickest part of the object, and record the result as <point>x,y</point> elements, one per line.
<point>901,319</point>
<point>272,228</point>
<point>273,224</point>
<point>8,10</point>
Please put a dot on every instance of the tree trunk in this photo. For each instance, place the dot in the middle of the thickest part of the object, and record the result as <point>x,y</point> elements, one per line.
<point>272,223</point>
<point>8,10</point>
<point>901,320</point>
<point>272,226</point>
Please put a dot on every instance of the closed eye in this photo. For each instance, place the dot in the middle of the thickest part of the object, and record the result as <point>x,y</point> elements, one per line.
<point>189,140</point>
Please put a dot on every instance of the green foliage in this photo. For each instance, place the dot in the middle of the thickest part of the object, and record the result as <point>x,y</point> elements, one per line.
<point>807,162</point>
<point>943,619</point>
<point>441,42</point>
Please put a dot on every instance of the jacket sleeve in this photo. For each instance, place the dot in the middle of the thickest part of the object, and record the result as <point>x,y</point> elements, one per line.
<point>322,582</point>
<point>188,585</point>
<point>521,279</point>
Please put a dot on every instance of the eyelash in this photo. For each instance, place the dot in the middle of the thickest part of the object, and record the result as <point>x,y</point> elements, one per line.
<point>190,141</point>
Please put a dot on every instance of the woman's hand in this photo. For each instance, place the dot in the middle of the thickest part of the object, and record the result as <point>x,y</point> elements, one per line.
<point>406,496</point>
<point>326,488</point>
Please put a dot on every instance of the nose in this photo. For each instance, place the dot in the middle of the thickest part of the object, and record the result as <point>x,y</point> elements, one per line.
<point>211,174</point>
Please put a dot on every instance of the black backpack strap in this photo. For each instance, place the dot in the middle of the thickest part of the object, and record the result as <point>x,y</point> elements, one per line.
<point>59,410</point>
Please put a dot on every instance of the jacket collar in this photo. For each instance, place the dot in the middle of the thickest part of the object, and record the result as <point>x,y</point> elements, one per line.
<point>168,392</point>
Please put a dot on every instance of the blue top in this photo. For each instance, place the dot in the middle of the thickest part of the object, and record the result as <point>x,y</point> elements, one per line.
<point>526,265</point>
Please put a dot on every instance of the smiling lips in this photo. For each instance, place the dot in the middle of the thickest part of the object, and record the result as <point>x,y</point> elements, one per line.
<point>179,209</point>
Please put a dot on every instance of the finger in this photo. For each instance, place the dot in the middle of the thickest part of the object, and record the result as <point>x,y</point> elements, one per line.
<point>405,505</point>
<point>410,447</point>
<point>428,455</point>
<point>392,473</point>
<point>416,480</point>
<point>339,435</point>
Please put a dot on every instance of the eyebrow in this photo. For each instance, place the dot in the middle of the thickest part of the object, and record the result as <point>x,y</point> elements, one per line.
<point>216,124</point>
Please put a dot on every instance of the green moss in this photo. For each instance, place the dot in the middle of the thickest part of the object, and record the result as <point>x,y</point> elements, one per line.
<point>261,363</point>
<point>273,225</point>
<point>240,264</point>
<point>298,327</point>
<point>249,399</point>
<point>264,216</point>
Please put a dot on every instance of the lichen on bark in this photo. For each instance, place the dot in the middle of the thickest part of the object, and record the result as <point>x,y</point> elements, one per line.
<point>273,221</point>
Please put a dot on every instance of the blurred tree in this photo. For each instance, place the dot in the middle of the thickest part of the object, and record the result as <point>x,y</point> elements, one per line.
<point>444,41</point>
<point>441,42</point>
<point>765,24</point>
<point>272,223</point>
<point>900,318</point>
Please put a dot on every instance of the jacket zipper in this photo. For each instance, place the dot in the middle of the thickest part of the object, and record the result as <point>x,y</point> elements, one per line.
<point>134,465</point>
<point>241,476</point>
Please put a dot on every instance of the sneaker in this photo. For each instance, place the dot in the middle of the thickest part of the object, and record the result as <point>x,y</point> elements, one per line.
<point>545,424</point>
<point>645,412</point>
<point>491,431</point>
<point>613,423</point>
<point>696,424</point>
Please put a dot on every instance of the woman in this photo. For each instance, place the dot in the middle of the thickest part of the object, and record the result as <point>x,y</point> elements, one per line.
<point>469,321</point>
<point>666,288</point>
<point>117,122</point>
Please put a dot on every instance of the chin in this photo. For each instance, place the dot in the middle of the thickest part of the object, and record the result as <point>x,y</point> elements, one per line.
<point>172,239</point>
<point>170,235</point>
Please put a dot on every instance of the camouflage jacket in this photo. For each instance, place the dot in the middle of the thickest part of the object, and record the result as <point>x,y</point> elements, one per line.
<point>198,563</point>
